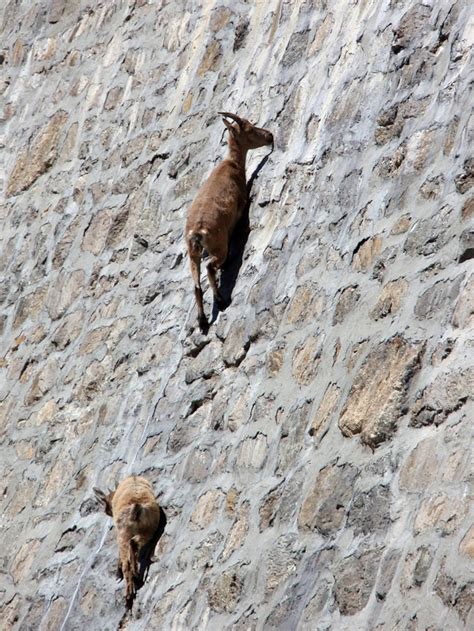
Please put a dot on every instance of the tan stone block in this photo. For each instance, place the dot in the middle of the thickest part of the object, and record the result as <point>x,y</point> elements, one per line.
<point>446,393</point>
<point>55,615</point>
<point>45,49</point>
<point>231,500</point>
<point>94,339</point>
<point>63,292</point>
<point>325,504</point>
<point>113,98</point>
<point>21,498</point>
<point>69,329</point>
<point>457,467</point>
<point>219,18</point>
<point>366,253</point>
<point>225,593</point>
<point>463,316</point>
<point>253,452</point>
<point>468,209</point>
<point>275,360</point>
<point>240,411</point>
<point>89,602</point>
<point>306,360</point>
<point>18,52</point>
<point>347,300</point>
<point>307,304</point>
<point>67,150</point>
<point>323,30</point>
<point>24,559</point>
<point>377,397</point>
<point>237,533</point>
<point>38,157</point>
<point>25,450</point>
<point>442,512</point>
<point>421,468</point>
<point>211,58</point>
<point>401,225</point>
<point>30,306</point>
<point>390,299</point>
<point>325,410</point>
<point>55,481</point>
<point>11,614</point>
<point>43,381</point>
<point>466,546</point>
<point>206,509</point>
<point>419,147</point>
<point>96,233</point>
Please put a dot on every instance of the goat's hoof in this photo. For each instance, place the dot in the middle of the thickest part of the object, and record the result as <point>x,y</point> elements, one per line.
<point>138,582</point>
<point>203,324</point>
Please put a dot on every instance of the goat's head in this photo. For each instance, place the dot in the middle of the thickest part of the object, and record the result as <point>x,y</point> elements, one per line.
<point>105,500</point>
<point>247,135</point>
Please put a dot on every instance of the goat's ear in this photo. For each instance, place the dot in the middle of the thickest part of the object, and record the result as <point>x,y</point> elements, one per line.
<point>105,500</point>
<point>229,126</point>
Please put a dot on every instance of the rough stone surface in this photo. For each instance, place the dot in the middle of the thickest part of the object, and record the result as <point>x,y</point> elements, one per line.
<point>377,397</point>
<point>352,309</point>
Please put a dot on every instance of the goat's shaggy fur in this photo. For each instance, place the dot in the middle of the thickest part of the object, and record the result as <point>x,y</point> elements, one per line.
<point>218,206</point>
<point>140,522</point>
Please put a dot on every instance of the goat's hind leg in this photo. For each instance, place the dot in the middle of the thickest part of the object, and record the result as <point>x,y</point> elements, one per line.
<point>195,262</point>
<point>213,266</point>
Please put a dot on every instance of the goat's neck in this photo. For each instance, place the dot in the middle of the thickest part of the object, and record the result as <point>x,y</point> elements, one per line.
<point>237,154</point>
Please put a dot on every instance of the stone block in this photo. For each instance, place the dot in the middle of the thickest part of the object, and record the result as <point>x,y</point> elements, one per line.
<point>377,398</point>
<point>390,299</point>
<point>420,470</point>
<point>365,253</point>
<point>237,533</point>
<point>466,547</point>
<point>211,58</point>
<point>224,594</point>
<point>448,392</point>
<point>442,513</point>
<point>282,561</point>
<point>306,306</point>
<point>39,157</point>
<point>354,580</point>
<point>370,511</point>
<point>325,411</point>
<point>252,452</point>
<point>206,509</point>
<point>306,360</point>
<point>327,501</point>
<point>347,300</point>
<point>292,437</point>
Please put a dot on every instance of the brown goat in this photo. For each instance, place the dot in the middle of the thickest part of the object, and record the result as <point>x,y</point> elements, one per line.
<point>218,206</point>
<point>140,522</point>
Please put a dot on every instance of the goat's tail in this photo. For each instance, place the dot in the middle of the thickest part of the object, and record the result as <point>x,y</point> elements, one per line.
<point>195,242</point>
<point>136,512</point>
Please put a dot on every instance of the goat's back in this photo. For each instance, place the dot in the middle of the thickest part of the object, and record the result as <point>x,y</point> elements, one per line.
<point>220,200</point>
<point>134,506</point>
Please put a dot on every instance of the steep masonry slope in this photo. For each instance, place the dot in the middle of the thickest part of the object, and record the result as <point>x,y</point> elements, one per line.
<point>312,453</point>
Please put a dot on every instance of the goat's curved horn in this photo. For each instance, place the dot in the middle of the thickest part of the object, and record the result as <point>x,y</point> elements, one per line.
<point>233,117</point>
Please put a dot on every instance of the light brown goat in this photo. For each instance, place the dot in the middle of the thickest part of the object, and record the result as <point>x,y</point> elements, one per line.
<point>218,206</point>
<point>140,522</point>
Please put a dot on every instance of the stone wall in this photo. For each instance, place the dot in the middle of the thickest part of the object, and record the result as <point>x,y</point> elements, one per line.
<point>312,451</point>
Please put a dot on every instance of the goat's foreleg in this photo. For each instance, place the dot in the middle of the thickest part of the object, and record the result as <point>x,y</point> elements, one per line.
<point>126,561</point>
